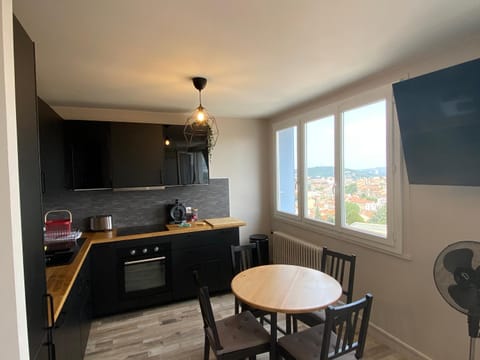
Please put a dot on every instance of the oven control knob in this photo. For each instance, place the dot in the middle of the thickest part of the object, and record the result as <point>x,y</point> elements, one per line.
<point>133,252</point>
<point>144,250</point>
<point>156,248</point>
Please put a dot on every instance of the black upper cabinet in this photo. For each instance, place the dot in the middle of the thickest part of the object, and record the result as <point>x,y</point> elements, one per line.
<point>105,155</point>
<point>185,163</point>
<point>87,154</point>
<point>137,155</point>
<point>30,190</point>
<point>51,149</point>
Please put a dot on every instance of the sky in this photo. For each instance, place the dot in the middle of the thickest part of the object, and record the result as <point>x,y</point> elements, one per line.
<point>364,134</point>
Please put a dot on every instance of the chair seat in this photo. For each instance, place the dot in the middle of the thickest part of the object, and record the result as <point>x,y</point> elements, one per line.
<point>312,319</point>
<point>241,331</point>
<point>307,344</point>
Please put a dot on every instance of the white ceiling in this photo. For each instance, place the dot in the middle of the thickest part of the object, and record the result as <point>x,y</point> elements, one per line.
<point>260,56</point>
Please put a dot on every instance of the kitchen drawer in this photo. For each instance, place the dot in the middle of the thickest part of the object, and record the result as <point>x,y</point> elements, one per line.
<point>204,238</point>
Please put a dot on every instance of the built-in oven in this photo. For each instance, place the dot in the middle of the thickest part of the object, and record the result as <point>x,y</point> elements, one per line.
<point>145,271</point>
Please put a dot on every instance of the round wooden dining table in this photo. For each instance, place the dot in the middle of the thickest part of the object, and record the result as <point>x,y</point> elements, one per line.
<point>288,289</point>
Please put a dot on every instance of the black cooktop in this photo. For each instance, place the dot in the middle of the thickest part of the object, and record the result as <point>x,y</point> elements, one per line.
<point>132,230</point>
<point>64,257</point>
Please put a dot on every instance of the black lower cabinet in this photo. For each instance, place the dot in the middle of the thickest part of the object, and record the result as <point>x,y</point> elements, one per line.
<point>72,327</point>
<point>207,252</point>
<point>45,350</point>
<point>105,279</point>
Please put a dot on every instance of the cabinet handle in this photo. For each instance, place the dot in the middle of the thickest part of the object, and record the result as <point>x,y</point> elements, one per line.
<point>51,319</point>
<point>144,260</point>
<point>72,159</point>
<point>50,343</point>
<point>43,182</point>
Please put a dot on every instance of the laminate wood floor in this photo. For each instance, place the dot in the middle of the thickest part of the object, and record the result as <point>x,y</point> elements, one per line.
<point>173,331</point>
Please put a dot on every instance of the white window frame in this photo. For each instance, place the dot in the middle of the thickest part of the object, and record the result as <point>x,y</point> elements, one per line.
<point>278,127</point>
<point>392,243</point>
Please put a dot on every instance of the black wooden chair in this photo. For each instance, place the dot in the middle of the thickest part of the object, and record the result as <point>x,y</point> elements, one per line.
<point>236,337</point>
<point>343,335</point>
<point>243,258</point>
<point>340,266</point>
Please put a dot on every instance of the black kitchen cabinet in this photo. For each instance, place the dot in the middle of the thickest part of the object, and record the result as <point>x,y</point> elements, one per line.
<point>185,163</point>
<point>86,303</point>
<point>66,336</point>
<point>105,282</point>
<point>30,191</point>
<point>137,155</point>
<point>73,324</point>
<point>106,155</point>
<point>87,155</point>
<point>52,158</point>
<point>207,252</point>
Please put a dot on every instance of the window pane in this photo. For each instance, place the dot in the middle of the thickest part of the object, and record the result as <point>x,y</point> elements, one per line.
<point>364,169</point>
<point>287,170</point>
<point>320,169</point>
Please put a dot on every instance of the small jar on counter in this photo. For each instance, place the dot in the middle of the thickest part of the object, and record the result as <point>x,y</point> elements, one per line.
<point>188,213</point>
<point>194,214</point>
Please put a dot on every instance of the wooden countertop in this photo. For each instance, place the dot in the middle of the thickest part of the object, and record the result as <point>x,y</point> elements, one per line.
<point>60,279</point>
<point>226,222</point>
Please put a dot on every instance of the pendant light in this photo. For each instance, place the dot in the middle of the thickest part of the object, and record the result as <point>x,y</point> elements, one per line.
<point>200,124</point>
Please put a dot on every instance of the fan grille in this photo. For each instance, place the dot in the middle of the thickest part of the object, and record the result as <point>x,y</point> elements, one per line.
<point>457,276</point>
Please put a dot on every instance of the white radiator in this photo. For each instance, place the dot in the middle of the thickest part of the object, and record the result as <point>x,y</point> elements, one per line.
<point>286,249</point>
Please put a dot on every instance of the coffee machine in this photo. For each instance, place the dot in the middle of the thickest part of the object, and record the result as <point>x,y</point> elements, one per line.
<point>176,213</point>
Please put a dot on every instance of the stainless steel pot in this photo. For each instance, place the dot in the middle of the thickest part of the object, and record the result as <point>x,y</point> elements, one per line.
<point>101,223</point>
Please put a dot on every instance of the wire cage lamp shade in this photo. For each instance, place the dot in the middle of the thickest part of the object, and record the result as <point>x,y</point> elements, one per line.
<point>201,124</point>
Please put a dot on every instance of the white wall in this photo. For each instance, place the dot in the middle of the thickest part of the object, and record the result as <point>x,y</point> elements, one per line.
<point>407,304</point>
<point>239,155</point>
<point>13,324</point>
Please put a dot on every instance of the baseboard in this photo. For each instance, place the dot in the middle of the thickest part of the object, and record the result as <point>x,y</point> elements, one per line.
<point>395,343</point>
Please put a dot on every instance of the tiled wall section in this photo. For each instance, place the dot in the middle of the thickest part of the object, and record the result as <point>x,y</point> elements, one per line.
<point>133,208</point>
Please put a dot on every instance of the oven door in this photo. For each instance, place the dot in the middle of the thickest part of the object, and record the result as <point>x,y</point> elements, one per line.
<point>146,274</point>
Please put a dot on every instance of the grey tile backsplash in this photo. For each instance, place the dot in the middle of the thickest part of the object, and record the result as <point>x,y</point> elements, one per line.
<point>134,208</point>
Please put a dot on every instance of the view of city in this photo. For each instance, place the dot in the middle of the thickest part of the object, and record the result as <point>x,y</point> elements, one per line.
<point>365,197</point>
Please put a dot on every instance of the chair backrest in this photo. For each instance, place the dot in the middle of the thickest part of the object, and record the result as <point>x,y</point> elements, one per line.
<point>209,324</point>
<point>342,267</point>
<point>245,257</point>
<point>344,331</point>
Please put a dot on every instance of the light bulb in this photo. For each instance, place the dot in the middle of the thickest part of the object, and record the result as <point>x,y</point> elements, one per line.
<point>167,142</point>
<point>200,116</point>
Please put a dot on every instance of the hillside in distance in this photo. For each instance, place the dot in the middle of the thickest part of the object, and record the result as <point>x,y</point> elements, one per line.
<point>328,171</point>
